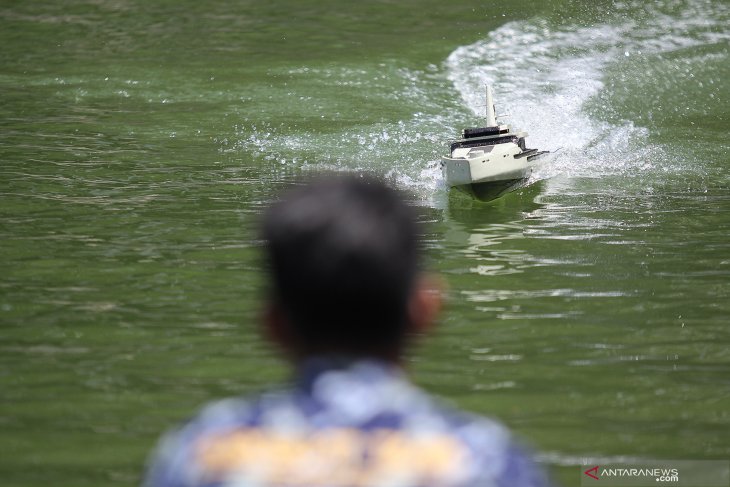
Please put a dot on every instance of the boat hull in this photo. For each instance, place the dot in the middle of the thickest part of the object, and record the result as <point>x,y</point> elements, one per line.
<point>488,191</point>
<point>491,174</point>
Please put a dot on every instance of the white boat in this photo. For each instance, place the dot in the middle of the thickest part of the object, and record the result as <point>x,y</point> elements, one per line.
<point>490,161</point>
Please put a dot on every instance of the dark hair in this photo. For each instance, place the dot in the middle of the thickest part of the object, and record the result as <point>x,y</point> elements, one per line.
<point>343,256</point>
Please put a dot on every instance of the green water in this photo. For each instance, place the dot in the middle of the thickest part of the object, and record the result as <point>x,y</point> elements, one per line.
<point>139,142</point>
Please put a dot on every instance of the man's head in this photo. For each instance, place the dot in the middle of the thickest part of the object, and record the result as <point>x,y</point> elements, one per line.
<point>344,261</point>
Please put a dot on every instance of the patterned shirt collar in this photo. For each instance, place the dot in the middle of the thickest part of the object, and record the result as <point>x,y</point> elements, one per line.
<point>360,370</point>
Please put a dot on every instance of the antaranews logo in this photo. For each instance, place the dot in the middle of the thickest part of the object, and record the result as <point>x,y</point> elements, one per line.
<point>676,473</point>
<point>633,475</point>
<point>592,472</point>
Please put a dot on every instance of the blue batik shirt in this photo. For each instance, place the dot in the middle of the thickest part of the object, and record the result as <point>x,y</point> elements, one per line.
<point>353,424</point>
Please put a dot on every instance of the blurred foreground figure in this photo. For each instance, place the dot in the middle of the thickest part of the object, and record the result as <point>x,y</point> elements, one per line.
<point>347,298</point>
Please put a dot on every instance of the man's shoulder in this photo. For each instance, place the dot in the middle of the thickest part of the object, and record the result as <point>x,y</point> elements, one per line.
<point>359,424</point>
<point>281,435</point>
<point>233,413</point>
<point>177,458</point>
<point>285,409</point>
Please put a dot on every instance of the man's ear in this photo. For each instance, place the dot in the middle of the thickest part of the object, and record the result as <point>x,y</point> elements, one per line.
<point>425,303</point>
<point>277,329</point>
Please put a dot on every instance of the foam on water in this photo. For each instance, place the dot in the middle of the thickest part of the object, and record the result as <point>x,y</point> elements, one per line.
<point>544,76</point>
<point>405,150</point>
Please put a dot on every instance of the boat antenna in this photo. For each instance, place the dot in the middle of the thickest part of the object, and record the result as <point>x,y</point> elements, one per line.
<point>491,115</point>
